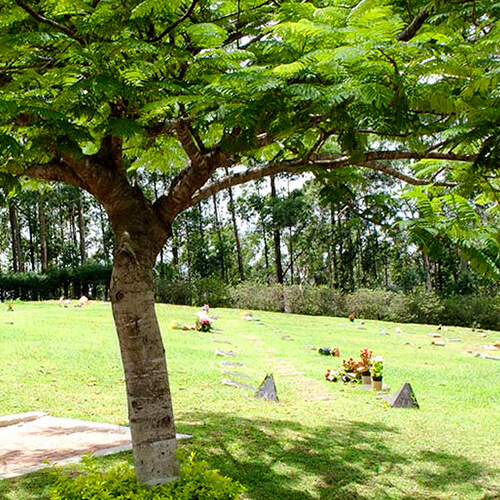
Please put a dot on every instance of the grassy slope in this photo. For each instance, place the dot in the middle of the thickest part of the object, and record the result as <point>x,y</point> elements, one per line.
<point>66,362</point>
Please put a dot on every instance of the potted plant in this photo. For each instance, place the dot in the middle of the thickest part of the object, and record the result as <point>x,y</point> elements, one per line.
<point>377,373</point>
<point>365,366</point>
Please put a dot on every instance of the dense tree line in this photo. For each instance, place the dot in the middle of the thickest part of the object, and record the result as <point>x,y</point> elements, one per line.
<point>347,231</point>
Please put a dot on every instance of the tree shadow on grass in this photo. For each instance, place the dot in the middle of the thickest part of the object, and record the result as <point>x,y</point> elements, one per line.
<point>286,460</point>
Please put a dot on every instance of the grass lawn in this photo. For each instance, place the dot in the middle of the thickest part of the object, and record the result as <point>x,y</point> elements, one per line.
<point>353,447</point>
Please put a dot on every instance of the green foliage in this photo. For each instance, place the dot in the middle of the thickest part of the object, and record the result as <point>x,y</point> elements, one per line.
<point>418,307</point>
<point>91,279</point>
<point>373,304</point>
<point>196,481</point>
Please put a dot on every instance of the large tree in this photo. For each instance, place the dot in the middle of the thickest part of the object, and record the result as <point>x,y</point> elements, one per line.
<point>93,90</point>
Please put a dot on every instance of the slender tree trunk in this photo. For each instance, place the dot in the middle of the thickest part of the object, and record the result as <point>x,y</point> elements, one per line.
<point>335,279</point>
<point>43,233</point>
<point>237,243</point>
<point>105,246</point>
<point>291,256</point>
<point>72,225</point>
<point>341,272</point>
<point>30,235</point>
<point>17,259</point>
<point>175,252</point>
<point>81,230</point>
<point>351,260</point>
<point>278,267</point>
<point>266,253</point>
<point>427,269</point>
<point>220,252</point>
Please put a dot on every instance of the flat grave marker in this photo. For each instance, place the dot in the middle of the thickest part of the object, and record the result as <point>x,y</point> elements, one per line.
<point>240,385</point>
<point>236,374</point>
<point>229,354</point>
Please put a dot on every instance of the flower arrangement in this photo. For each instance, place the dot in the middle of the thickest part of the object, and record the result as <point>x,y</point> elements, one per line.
<point>206,308</point>
<point>175,325</point>
<point>332,376</point>
<point>203,324</point>
<point>356,370</point>
<point>377,368</point>
<point>329,351</point>
<point>351,365</point>
<point>366,361</point>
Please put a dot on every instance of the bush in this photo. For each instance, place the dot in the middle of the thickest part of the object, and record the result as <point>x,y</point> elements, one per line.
<point>417,307</point>
<point>370,304</point>
<point>211,291</point>
<point>471,311</point>
<point>176,291</point>
<point>257,296</point>
<point>196,482</point>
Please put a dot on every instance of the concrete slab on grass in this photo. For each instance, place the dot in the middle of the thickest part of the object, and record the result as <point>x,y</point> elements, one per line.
<point>29,445</point>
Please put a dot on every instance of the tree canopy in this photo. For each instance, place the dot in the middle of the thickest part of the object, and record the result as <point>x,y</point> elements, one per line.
<point>220,93</point>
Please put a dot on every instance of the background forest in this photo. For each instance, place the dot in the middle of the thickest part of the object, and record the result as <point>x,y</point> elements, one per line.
<point>333,244</point>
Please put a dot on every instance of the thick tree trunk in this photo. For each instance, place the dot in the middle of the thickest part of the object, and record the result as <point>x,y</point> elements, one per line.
<point>143,355</point>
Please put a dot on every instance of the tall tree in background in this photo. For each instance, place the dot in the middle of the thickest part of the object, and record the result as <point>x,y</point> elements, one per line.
<point>92,90</point>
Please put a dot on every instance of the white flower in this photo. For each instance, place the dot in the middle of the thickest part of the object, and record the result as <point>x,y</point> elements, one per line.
<point>378,359</point>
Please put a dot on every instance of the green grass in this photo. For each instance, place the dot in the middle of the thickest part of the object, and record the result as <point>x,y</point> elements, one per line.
<point>66,362</point>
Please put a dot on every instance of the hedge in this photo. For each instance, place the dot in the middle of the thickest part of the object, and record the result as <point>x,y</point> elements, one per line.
<point>416,307</point>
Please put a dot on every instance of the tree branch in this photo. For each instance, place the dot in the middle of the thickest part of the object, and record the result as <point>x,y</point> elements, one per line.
<point>329,162</point>
<point>50,22</point>
<point>174,25</point>
<point>55,171</point>
<point>412,29</point>
<point>414,181</point>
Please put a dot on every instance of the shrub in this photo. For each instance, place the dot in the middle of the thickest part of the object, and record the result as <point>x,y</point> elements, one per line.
<point>257,296</point>
<point>196,482</point>
<point>417,307</point>
<point>470,310</point>
<point>174,292</point>
<point>370,304</point>
<point>211,291</point>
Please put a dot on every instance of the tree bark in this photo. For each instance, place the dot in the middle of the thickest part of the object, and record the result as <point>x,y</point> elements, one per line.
<point>139,238</point>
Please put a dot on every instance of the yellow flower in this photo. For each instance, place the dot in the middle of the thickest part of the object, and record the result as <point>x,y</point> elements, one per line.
<point>174,325</point>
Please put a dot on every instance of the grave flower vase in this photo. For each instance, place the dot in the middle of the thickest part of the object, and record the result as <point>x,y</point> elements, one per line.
<point>377,383</point>
<point>366,378</point>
